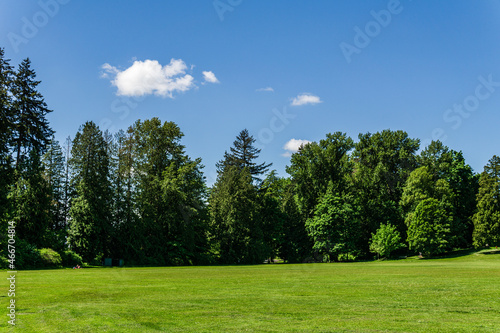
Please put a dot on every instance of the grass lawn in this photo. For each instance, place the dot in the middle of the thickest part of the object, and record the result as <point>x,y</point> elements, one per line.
<point>460,294</point>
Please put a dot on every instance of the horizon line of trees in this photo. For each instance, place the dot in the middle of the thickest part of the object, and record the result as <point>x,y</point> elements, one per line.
<point>138,196</point>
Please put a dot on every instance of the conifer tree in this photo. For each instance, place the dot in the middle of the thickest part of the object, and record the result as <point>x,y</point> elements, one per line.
<point>30,197</point>
<point>243,155</point>
<point>6,130</point>
<point>236,231</point>
<point>31,130</point>
<point>54,174</point>
<point>90,214</point>
<point>31,135</point>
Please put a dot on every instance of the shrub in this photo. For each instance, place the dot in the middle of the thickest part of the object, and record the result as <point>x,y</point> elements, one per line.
<point>50,258</point>
<point>98,260</point>
<point>71,259</point>
<point>351,256</point>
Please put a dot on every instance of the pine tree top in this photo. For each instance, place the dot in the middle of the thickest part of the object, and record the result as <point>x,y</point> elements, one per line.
<point>243,155</point>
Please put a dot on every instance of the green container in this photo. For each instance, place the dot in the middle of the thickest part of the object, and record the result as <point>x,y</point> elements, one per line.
<point>108,262</point>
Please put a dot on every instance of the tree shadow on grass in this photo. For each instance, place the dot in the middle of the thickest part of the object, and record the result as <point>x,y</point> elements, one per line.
<point>452,254</point>
<point>490,251</point>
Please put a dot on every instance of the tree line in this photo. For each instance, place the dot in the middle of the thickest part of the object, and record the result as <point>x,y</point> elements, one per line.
<point>137,195</point>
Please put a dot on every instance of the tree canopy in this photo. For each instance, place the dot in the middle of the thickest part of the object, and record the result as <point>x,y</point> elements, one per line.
<point>136,194</point>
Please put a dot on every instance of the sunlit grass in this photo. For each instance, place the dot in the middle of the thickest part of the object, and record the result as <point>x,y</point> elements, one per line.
<point>460,294</point>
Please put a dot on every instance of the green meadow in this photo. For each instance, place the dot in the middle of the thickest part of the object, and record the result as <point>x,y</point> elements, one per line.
<point>455,294</point>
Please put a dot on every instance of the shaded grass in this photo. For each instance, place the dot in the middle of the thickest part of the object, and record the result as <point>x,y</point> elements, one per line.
<point>459,294</point>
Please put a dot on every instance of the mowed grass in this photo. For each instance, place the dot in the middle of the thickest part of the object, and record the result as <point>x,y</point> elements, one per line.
<point>441,295</point>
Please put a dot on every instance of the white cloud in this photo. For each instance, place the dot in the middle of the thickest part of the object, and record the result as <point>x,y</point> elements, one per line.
<point>306,98</point>
<point>270,89</point>
<point>150,77</point>
<point>293,146</point>
<point>108,70</point>
<point>209,77</point>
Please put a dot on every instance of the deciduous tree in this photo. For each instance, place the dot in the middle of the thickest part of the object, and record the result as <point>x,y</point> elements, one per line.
<point>383,162</point>
<point>335,227</point>
<point>487,218</point>
<point>429,228</point>
<point>386,240</point>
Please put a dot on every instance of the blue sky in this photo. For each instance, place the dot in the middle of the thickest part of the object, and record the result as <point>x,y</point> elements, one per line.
<point>429,68</point>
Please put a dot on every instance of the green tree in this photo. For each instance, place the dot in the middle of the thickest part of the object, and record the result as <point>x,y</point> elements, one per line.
<point>90,226</point>
<point>335,227</point>
<point>53,162</point>
<point>449,165</point>
<point>487,217</point>
<point>273,217</point>
<point>295,244</point>
<point>386,240</point>
<point>66,190</point>
<point>169,193</point>
<point>31,130</point>
<point>30,135</point>
<point>316,165</point>
<point>6,131</point>
<point>125,219</point>
<point>31,201</point>
<point>243,155</point>
<point>429,227</point>
<point>236,231</point>
<point>421,185</point>
<point>383,162</point>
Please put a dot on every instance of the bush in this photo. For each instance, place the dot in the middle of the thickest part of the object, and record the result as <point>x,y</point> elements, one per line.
<point>351,256</point>
<point>98,260</point>
<point>71,259</point>
<point>50,258</point>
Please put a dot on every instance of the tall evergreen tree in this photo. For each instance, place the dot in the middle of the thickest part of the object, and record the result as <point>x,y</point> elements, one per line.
<point>90,227</point>
<point>236,230</point>
<point>31,200</point>
<point>54,174</point>
<point>31,134</point>
<point>124,185</point>
<point>66,191</point>
<point>243,155</point>
<point>6,130</point>
<point>32,131</point>
<point>487,217</point>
